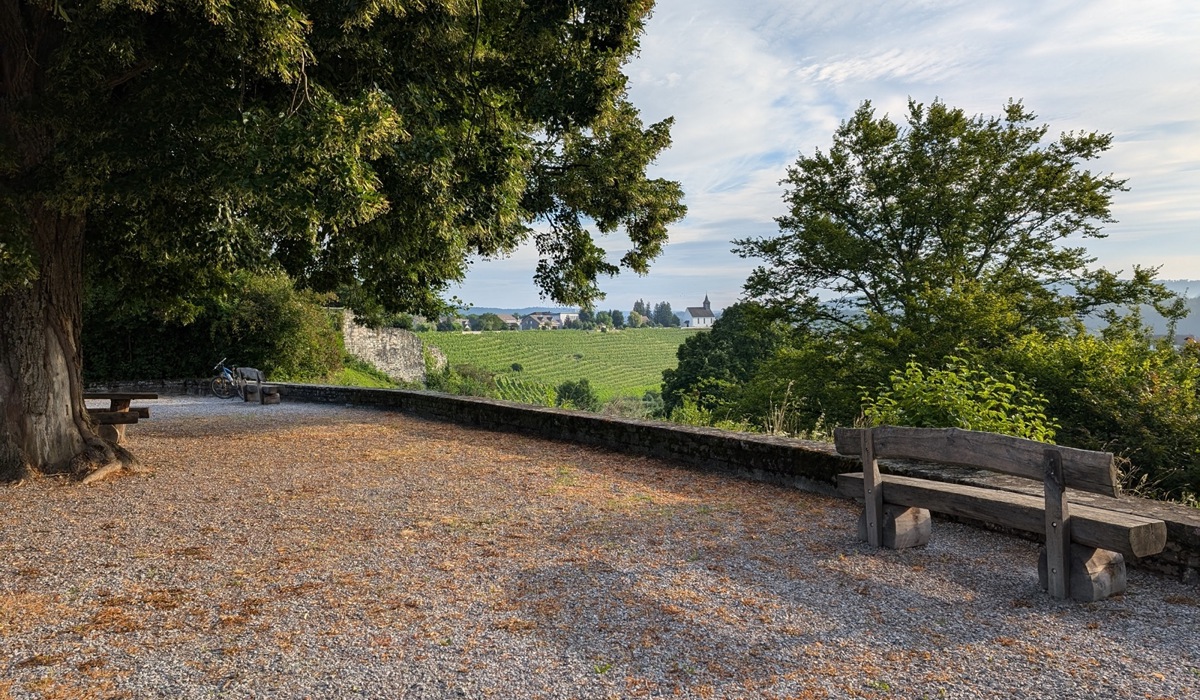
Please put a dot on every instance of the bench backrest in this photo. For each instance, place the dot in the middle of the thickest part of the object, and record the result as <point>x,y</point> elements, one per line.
<point>1082,469</point>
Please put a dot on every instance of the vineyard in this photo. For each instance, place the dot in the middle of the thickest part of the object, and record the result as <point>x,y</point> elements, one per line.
<point>617,363</point>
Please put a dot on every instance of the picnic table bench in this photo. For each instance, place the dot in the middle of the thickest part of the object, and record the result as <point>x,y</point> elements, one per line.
<point>111,422</point>
<point>1085,546</point>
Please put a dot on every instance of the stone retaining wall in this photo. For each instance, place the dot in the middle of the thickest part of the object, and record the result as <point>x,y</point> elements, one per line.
<point>810,466</point>
<point>395,351</point>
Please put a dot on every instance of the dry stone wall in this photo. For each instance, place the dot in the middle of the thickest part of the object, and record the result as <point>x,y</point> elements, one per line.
<point>395,351</point>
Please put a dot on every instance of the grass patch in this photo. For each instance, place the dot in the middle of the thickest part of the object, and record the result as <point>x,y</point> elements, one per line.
<point>354,372</point>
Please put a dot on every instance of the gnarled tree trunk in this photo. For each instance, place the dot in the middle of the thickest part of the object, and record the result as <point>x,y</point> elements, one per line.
<point>43,420</point>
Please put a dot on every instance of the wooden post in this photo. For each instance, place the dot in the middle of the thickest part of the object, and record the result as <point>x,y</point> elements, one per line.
<point>872,490</point>
<point>1058,527</point>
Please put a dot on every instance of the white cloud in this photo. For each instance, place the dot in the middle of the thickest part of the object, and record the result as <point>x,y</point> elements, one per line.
<point>752,84</point>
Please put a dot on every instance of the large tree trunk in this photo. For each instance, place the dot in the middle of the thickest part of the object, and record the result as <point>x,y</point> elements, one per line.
<point>43,420</point>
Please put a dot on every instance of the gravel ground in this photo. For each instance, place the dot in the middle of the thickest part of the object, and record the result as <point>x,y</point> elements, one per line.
<point>316,551</point>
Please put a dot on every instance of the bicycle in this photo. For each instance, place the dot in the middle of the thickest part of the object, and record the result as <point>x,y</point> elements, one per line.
<point>228,383</point>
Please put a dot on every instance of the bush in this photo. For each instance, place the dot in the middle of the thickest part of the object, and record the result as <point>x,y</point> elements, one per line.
<point>713,366</point>
<point>284,332</point>
<point>257,320</point>
<point>469,380</point>
<point>625,407</point>
<point>960,395</point>
<point>810,385</point>
<point>1124,394</point>
<point>689,412</point>
<point>577,394</point>
<point>653,403</point>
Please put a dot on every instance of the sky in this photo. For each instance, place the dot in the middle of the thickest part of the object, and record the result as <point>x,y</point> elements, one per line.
<point>753,85</point>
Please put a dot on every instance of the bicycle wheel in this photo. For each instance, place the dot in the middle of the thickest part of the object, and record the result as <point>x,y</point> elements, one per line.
<point>222,388</point>
<point>240,385</point>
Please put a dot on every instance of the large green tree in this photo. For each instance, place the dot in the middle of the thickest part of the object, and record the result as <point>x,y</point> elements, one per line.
<point>714,366</point>
<point>157,145</point>
<point>949,229</point>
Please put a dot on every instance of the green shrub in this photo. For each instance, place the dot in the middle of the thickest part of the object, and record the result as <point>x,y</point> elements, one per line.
<point>625,407</point>
<point>689,412</point>
<point>652,401</point>
<point>257,320</point>
<point>469,380</point>
<point>960,395</point>
<point>577,394</point>
<point>437,372</point>
<point>1124,394</point>
<point>805,388</point>
<point>270,325</point>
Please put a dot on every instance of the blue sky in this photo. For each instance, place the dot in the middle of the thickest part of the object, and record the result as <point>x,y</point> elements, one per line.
<point>751,85</point>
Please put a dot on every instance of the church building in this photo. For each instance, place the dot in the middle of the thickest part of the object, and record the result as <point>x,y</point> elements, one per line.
<point>699,316</point>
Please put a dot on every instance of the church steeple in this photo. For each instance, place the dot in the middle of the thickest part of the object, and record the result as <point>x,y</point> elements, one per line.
<point>706,304</point>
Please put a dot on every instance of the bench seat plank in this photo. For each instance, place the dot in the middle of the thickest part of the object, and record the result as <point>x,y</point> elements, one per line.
<point>1082,469</point>
<point>1095,527</point>
<point>113,417</point>
<point>141,411</point>
<point>120,395</point>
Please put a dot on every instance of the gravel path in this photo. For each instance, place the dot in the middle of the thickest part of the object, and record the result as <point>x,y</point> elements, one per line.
<point>315,551</point>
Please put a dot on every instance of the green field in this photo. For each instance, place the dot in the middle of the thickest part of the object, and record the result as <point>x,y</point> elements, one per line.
<point>616,363</point>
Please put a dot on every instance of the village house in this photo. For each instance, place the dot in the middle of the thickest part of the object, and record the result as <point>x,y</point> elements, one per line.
<point>547,319</point>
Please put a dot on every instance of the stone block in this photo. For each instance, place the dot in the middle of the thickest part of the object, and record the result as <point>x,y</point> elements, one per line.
<point>1095,574</point>
<point>902,527</point>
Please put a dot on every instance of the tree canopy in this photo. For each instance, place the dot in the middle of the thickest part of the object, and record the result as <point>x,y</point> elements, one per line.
<point>377,144</point>
<point>714,366</point>
<point>369,147</point>
<point>948,228</point>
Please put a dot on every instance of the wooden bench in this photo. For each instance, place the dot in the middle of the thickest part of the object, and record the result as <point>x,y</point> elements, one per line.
<point>1084,556</point>
<point>111,422</point>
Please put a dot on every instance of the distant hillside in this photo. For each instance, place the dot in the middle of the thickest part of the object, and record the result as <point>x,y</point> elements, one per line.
<point>481,310</point>
<point>1188,288</point>
<point>1189,325</point>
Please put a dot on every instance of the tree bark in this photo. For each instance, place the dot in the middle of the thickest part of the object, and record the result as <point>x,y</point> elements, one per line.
<point>43,419</point>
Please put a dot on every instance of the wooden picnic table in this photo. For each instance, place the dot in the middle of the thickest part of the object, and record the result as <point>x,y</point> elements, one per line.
<point>112,422</point>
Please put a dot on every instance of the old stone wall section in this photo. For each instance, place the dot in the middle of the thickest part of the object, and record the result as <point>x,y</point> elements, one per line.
<point>395,351</point>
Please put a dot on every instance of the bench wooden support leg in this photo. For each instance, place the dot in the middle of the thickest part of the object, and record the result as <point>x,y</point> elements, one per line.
<point>872,491</point>
<point>114,434</point>
<point>1096,574</point>
<point>902,527</point>
<point>1058,527</point>
<point>251,392</point>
